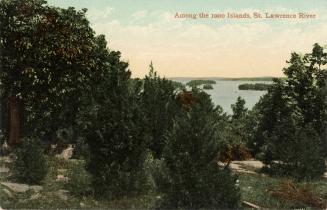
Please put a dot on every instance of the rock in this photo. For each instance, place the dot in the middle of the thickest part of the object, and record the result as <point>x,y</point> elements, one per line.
<point>4,169</point>
<point>35,196</point>
<point>66,153</point>
<point>82,205</point>
<point>61,178</point>
<point>15,187</point>
<point>62,194</point>
<point>8,193</point>
<point>36,188</point>
<point>6,159</point>
<point>20,188</point>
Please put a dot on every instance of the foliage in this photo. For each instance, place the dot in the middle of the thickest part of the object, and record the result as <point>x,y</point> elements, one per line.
<point>195,179</point>
<point>81,150</point>
<point>47,56</point>
<point>292,119</point>
<point>111,120</point>
<point>256,86</point>
<point>30,165</point>
<point>236,133</point>
<point>159,109</point>
<point>300,196</point>
<point>239,110</point>
<point>79,180</point>
<point>207,87</point>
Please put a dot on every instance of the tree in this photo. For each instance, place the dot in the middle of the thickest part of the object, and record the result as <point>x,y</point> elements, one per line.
<point>196,180</point>
<point>239,109</point>
<point>45,59</point>
<point>158,101</point>
<point>237,133</point>
<point>112,122</point>
<point>293,118</point>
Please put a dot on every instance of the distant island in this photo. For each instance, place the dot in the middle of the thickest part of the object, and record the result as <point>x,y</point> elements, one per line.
<point>194,83</point>
<point>256,86</point>
<point>207,87</point>
<point>264,78</point>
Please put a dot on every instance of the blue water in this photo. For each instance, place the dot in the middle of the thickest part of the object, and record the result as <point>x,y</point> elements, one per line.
<point>225,93</point>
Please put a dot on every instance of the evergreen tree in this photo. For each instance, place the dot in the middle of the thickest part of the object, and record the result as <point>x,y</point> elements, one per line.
<point>159,108</point>
<point>113,131</point>
<point>239,109</point>
<point>196,180</point>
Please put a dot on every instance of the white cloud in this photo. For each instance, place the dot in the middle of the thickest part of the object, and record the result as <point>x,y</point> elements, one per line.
<point>196,48</point>
<point>96,15</point>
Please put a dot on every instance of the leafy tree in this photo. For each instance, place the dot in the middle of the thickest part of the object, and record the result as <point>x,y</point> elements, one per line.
<point>46,57</point>
<point>292,118</point>
<point>159,104</point>
<point>196,180</point>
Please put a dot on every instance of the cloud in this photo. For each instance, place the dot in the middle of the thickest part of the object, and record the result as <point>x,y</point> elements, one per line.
<point>199,48</point>
<point>96,15</point>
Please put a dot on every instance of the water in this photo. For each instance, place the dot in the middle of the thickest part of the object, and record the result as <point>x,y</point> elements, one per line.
<point>225,93</point>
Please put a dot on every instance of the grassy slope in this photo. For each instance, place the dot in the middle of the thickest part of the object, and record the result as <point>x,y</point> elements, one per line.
<point>253,188</point>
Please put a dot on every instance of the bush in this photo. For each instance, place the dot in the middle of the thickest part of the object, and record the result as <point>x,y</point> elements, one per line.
<point>81,150</point>
<point>299,154</point>
<point>235,152</point>
<point>194,178</point>
<point>79,180</point>
<point>30,165</point>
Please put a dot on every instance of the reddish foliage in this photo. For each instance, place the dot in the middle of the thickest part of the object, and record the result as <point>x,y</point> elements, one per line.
<point>186,98</point>
<point>300,196</point>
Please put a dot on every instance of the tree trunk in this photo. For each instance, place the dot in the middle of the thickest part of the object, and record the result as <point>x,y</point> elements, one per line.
<point>14,121</point>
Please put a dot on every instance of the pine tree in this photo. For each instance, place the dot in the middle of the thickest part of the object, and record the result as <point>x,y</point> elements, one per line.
<point>113,129</point>
<point>196,180</point>
<point>159,108</point>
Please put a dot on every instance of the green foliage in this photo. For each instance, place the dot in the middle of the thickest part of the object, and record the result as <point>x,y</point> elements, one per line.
<point>111,120</point>
<point>79,180</point>
<point>47,58</point>
<point>239,110</point>
<point>195,83</point>
<point>207,87</point>
<point>81,150</point>
<point>256,86</point>
<point>195,179</point>
<point>30,165</point>
<point>159,109</point>
<point>292,119</point>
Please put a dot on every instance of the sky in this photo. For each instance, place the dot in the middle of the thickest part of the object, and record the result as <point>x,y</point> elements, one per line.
<point>147,30</point>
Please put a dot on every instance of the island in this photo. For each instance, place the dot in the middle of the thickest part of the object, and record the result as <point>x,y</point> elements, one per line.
<point>256,86</point>
<point>195,83</point>
<point>207,87</point>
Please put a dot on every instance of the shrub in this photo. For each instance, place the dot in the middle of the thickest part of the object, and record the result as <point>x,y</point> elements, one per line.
<point>299,196</point>
<point>299,154</point>
<point>79,180</point>
<point>235,152</point>
<point>195,179</point>
<point>30,165</point>
<point>81,150</point>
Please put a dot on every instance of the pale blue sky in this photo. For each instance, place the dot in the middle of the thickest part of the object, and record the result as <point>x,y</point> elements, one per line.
<point>145,30</point>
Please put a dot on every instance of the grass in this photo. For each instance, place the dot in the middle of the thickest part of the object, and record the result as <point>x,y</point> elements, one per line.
<point>255,188</point>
